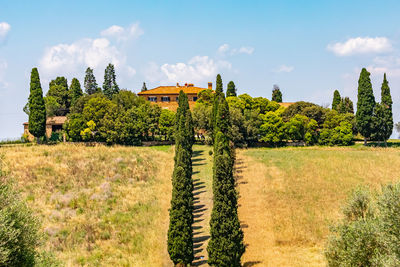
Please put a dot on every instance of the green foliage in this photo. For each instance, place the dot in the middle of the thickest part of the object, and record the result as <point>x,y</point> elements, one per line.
<point>296,127</point>
<point>74,126</point>
<point>75,91</point>
<point>231,89</point>
<point>307,109</point>
<point>58,89</point>
<point>219,86</point>
<point>52,106</point>
<point>144,87</point>
<point>90,82</point>
<point>205,96</point>
<point>19,236</point>
<point>248,100</point>
<point>276,94</point>
<point>336,100</point>
<point>337,130</point>
<point>365,105</point>
<point>369,234</point>
<point>110,86</point>
<point>312,134</point>
<point>345,106</point>
<point>383,115</point>
<point>37,109</point>
<point>88,133</point>
<point>222,120</point>
<point>272,129</point>
<point>202,117</point>
<point>166,123</point>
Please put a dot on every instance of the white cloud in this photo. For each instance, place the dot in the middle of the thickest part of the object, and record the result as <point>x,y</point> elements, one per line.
<point>4,29</point>
<point>3,68</point>
<point>71,59</point>
<point>123,34</point>
<point>199,69</point>
<point>226,50</point>
<point>361,45</point>
<point>284,68</point>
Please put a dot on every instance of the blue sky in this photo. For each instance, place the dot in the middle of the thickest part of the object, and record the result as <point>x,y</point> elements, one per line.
<point>308,48</point>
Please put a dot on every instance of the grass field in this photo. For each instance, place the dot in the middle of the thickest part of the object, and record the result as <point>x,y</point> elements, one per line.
<point>290,196</point>
<point>108,206</point>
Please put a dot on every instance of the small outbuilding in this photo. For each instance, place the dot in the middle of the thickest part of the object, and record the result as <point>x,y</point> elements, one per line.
<point>53,124</point>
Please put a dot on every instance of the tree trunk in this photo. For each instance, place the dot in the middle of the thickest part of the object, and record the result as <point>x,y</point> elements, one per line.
<point>385,143</point>
<point>365,141</point>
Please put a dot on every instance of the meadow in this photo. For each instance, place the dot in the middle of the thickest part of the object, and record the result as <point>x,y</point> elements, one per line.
<point>109,205</point>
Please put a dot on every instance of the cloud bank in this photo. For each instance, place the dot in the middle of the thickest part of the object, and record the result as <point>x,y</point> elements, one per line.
<point>4,30</point>
<point>361,45</point>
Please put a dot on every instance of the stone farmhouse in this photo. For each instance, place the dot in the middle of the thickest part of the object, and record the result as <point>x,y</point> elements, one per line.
<point>53,124</point>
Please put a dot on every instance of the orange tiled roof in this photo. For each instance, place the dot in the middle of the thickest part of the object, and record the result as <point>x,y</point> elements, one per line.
<point>172,90</point>
<point>286,104</point>
<point>56,120</point>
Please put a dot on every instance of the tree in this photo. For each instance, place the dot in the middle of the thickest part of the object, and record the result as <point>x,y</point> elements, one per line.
<point>336,100</point>
<point>365,106</point>
<point>58,89</point>
<point>231,89</point>
<point>75,91</point>
<point>383,118</point>
<point>180,233</point>
<point>276,94</point>
<point>144,88</point>
<point>37,109</point>
<point>219,85</point>
<point>272,129</point>
<point>110,86</point>
<point>166,122</point>
<point>90,82</point>
<point>345,106</point>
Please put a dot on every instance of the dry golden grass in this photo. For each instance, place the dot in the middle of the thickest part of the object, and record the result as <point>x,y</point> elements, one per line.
<point>99,206</point>
<point>289,197</point>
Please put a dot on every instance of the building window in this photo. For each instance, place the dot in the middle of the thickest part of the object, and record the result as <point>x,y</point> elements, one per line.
<point>165,99</point>
<point>195,98</point>
<point>177,99</point>
<point>152,98</point>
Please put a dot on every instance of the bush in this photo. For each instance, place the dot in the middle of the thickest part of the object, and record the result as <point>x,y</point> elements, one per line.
<point>369,234</point>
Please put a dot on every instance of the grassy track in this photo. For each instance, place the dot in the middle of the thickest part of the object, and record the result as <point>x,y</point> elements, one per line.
<point>290,196</point>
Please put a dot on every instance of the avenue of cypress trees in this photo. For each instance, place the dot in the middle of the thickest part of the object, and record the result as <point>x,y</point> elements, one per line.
<point>180,232</point>
<point>90,82</point>
<point>225,247</point>
<point>365,106</point>
<point>110,86</point>
<point>383,117</point>
<point>336,100</point>
<point>231,89</point>
<point>37,109</point>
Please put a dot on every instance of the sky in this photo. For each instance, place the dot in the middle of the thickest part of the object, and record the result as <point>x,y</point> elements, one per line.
<point>309,48</point>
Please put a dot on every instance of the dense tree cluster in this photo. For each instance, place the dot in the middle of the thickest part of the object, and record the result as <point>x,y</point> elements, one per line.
<point>226,246</point>
<point>180,232</point>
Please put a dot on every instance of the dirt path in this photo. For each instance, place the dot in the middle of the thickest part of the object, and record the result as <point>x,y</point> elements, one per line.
<point>202,176</point>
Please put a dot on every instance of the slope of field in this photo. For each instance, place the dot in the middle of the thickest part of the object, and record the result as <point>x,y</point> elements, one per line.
<point>290,196</point>
<point>99,206</point>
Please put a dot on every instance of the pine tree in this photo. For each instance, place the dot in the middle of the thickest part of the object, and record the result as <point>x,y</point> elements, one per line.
<point>90,82</point>
<point>365,106</point>
<point>231,89</point>
<point>180,233</point>
<point>110,86</point>
<point>144,87</point>
<point>383,117</point>
<point>276,94</point>
<point>336,100</point>
<point>58,89</point>
<point>75,91</point>
<point>37,110</point>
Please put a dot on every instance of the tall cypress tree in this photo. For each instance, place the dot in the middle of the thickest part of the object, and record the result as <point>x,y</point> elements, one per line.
<point>218,93</point>
<point>336,100</point>
<point>225,247</point>
<point>75,91</point>
<point>144,87</point>
<point>383,117</point>
<point>365,106</point>
<point>219,85</point>
<point>110,86</point>
<point>276,94</point>
<point>58,88</point>
<point>90,82</point>
<point>231,89</point>
<point>37,109</point>
<point>180,233</point>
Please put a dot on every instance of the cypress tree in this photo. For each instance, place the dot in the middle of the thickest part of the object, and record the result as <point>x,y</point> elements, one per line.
<point>75,91</point>
<point>219,85</point>
<point>365,106</point>
<point>218,93</point>
<point>180,233</point>
<point>90,82</point>
<point>144,87</point>
<point>276,94</point>
<point>383,117</point>
<point>37,109</point>
<point>336,100</point>
<point>231,89</point>
<point>225,247</point>
<point>110,86</point>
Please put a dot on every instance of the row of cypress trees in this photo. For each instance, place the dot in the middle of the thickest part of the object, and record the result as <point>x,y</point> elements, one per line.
<point>373,120</point>
<point>225,247</point>
<point>180,232</point>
